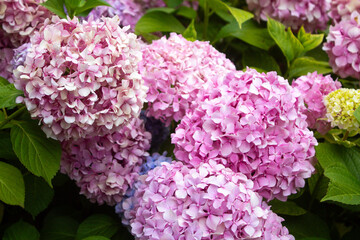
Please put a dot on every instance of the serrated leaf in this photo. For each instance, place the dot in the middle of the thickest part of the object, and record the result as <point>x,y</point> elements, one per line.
<point>99,225</point>
<point>12,187</point>
<point>308,40</point>
<point>55,6</point>
<point>90,4</point>
<point>8,95</point>
<point>60,228</point>
<point>6,151</point>
<point>250,33</point>
<point>304,65</point>
<point>286,208</point>
<point>186,12</point>
<point>342,166</point>
<point>285,39</point>
<point>21,231</point>
<point>96,238</point>
<point>40,155</point>
<point>38,194</point>
<point>260,59</point>
<point>190,32</point>
<point>158,21</point>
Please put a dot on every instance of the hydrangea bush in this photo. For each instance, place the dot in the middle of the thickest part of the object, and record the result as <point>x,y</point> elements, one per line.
<point>197,119</point>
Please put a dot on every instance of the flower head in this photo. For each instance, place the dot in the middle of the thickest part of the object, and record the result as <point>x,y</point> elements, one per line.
<point>342,9</point>
<point>293,13</point>
<point>340,107</point>
<point>256,126</point>
<point>105,168</point>
<point>6,55</point>
<point>314,87</point>
<point>82,79</point>
<point>208,202</point>
<point>177,72</point>
<point>342,47</point>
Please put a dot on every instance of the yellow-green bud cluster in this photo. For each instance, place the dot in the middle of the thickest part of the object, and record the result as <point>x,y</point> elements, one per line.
<point>340,107</point>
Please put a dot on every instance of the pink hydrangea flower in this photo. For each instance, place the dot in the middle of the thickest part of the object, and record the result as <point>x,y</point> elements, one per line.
<point>342,9</point>
<point>257,127</point>
<point>82,79</point>
<point>209,202</point>
<point>342,47</point>
<point>177,72</point>
<point>293,13</point>
<point>20,18</point>
<point>314,87</point>
<point>106,167</point>
<point>6,55</point>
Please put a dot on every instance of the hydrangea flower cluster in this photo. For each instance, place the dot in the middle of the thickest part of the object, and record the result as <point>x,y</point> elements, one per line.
<point>6,55</point>
<point>340,106</point>
<point>342,47</point>
<point>256,127</point>
<point>208,202</point>
<point>177,72</point>
<point>126,208</point>
<point>129,11</point>
<point>342,9</point>
<point>20,18</point>
<point>80,80</point>
<point>105,168</point>
<point>314,87</point>
<point>293,13</point>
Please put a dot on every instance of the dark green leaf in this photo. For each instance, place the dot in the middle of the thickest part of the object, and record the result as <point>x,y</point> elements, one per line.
<point>304,65</point>
<point>286,208</point>
<point>186,12</point>
<point>260,59</point>
<point>318,183</point>
<point>96,238</point>
<point>173,3</point>
<point>6,151</point>
<point>40,155</point>
<point>307,226</point>
<point>190,32</point>
<point>99,225</point>
<point>90,4</point>
<point>342,166</point>
<point>357,114</point>
<point>285,39</point>
<point>12,188</point>
<point>59,228</point>
<point>38,194</point>
<point>55,6</point>
<point>8,94</point>
<point>21,231</point>
<point>158,21</point>
<point>308,40</point>
<point>250,33</point>
<point>352,235</point>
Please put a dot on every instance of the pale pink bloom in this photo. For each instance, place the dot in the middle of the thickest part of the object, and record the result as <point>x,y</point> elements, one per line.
<point>342,9</point>
<point>255,126</point>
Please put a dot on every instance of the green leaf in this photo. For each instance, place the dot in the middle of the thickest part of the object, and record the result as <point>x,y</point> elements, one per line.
<point>342,166</point>
<point>260,59</point>
<point>8,94</point>
<point>304,65</point>
<point>250,33</point>
<point>6,151</point>
<point>286,208</point>
<point>59,228</point>
<point>307,226</point>
<point>90,4</point>
<point>318,183</point>
<point>38,194</point>
<point>99,224</point>
<point>96,238</point>
<point>162,9</point>
<point>12,188</point>
<point>308,40</point>
<point>357,114</point>
<point>285,39</point>
<point>190,32</point>
<point>173,3</point>
<point>158,21</point>
<point>21,231</point>
<point>187,12</point>
<point>55,6</point>
<point>40,155</point>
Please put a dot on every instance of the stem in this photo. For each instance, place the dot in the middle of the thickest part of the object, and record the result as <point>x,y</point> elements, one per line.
<point>345,135</point>
<point>4,111</point>
<point>12,116</point>
<point>206,19</point>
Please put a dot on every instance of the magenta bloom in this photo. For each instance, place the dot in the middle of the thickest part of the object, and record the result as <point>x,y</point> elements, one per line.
<point>106,167</point>
<point>293,13</point>
<point>342,47</point>
<point>209,202</point>
<point>342,9</point>
<point>257,127</point>
<point>20,18</point>
<point>314,87</point>
<point>177,72</point>
<point>80,80</point>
